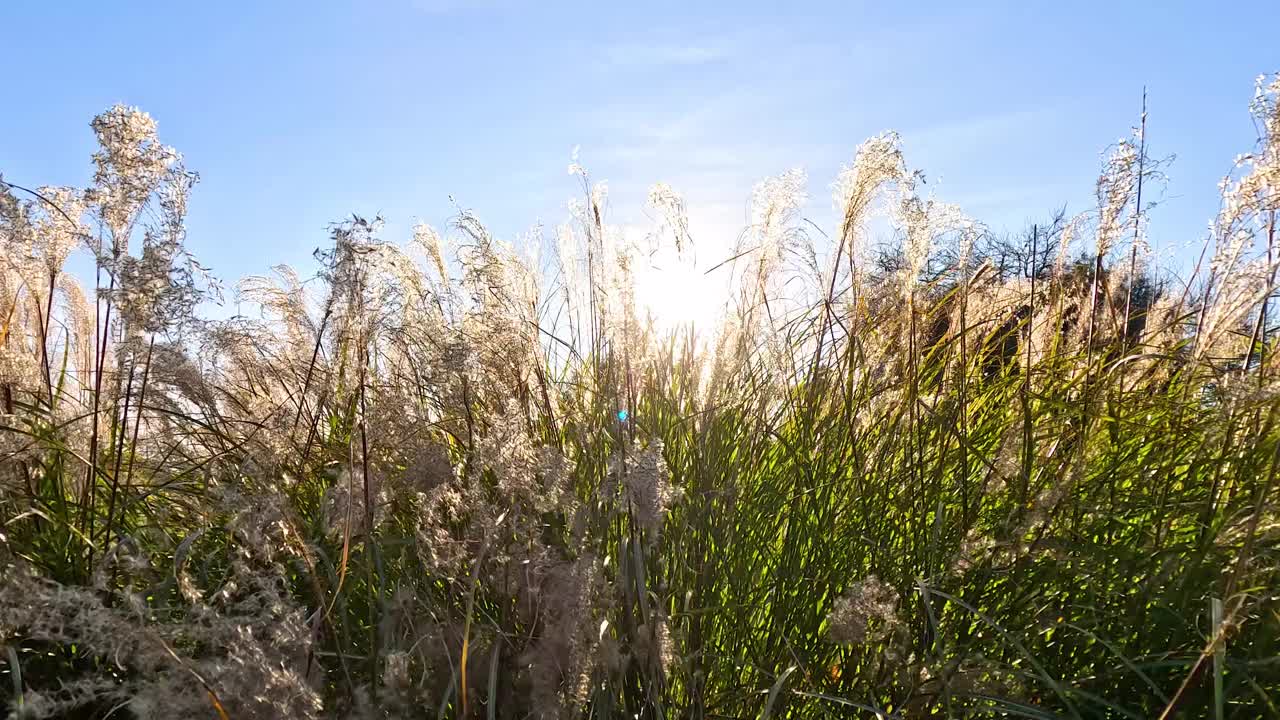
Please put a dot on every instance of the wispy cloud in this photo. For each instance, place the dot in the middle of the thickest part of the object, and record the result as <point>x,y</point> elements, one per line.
<point>450,7</point>
<point>980,130</point>
<point>648,56</point>
<point>694,147</point>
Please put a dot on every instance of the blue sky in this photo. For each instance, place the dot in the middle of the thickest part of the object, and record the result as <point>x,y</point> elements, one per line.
<point>297,114</point>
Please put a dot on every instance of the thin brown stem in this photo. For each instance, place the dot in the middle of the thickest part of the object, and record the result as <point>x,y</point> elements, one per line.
<point>1137,213</point>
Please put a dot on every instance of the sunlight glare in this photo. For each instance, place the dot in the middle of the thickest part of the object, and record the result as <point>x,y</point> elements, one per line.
<point>677,294</point>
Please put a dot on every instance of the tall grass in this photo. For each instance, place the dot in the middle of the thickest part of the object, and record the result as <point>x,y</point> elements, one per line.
<point>905,477</point>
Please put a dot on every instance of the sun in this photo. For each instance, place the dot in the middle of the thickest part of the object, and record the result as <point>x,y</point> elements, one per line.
<point>677,294</point>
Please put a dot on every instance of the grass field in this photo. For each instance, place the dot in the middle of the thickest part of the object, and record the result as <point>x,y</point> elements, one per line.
<point>918,471</point>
